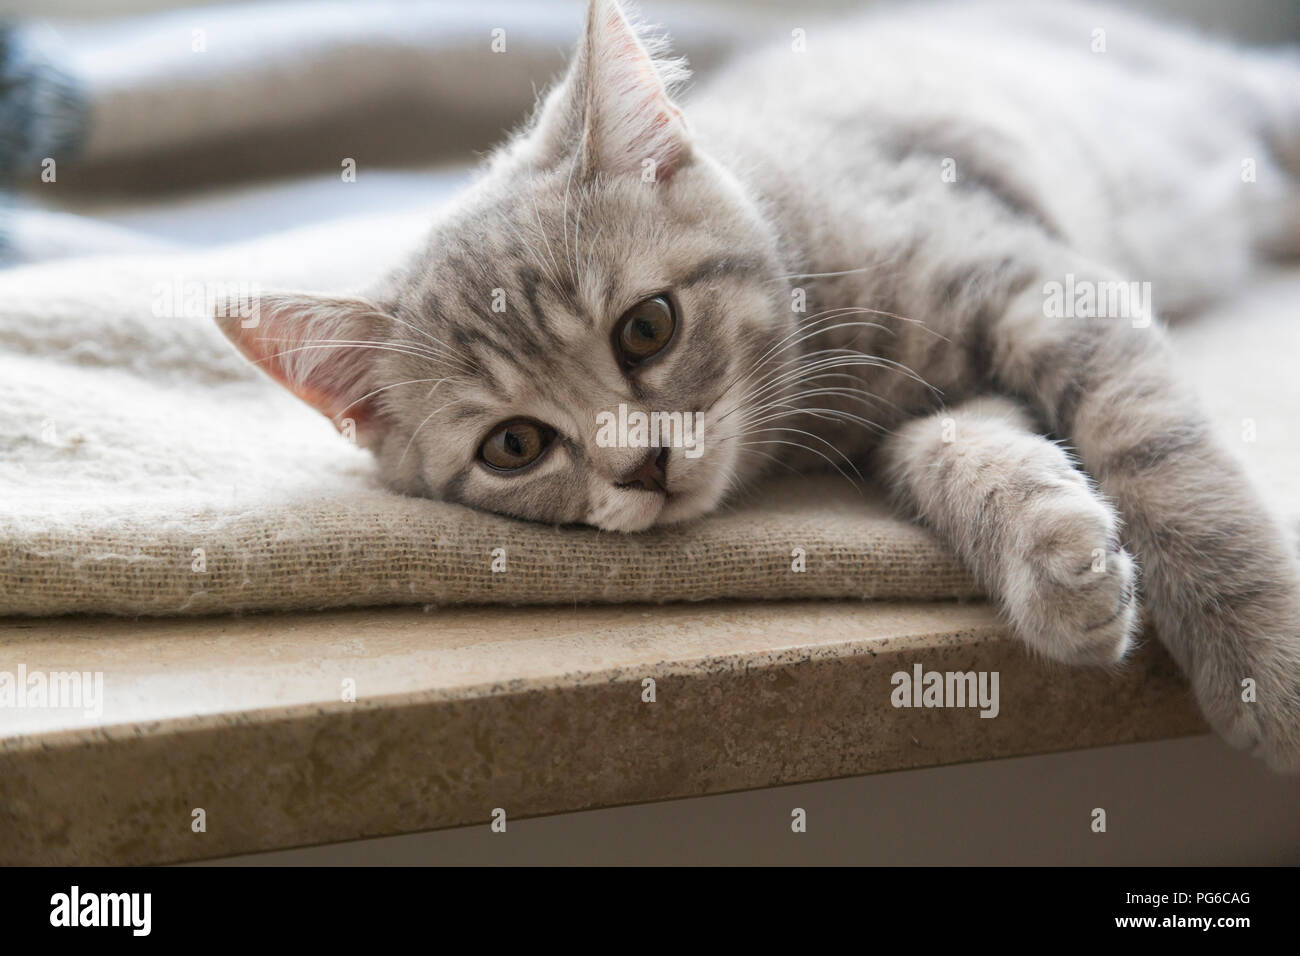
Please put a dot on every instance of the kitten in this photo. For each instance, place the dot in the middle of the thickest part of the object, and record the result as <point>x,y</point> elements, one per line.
<point>852,257</point>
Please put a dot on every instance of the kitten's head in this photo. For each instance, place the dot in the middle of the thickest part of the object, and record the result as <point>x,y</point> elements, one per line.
<point>603,280</point>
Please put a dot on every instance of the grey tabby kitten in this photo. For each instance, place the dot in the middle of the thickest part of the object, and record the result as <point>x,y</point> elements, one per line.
<point>844,256</point>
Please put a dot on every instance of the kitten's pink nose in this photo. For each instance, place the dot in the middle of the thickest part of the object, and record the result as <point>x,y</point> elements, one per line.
<point>650,475</point>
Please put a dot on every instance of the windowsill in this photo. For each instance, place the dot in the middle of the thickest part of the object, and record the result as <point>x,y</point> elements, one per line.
<point>535,711</point>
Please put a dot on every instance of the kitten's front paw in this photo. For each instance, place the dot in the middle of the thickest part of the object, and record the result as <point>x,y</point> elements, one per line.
<point>1071,590</point>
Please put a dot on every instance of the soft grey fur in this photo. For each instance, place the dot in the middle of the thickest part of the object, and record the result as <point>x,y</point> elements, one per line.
<point>923,354</point>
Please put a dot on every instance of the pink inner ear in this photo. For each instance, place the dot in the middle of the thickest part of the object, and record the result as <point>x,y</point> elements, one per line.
<point>338,408</point>
<point>634,117</point>
<point>290,344</point>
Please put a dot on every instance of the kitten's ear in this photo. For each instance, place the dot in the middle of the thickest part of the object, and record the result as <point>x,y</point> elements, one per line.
<point>299,340</point>
<point>615,103</point>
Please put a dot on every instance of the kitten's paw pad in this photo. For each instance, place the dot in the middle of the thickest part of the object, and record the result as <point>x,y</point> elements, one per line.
<point>1073,589</point>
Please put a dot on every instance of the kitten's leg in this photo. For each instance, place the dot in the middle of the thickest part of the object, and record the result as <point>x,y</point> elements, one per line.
<point>1220,575</point>
<point>1025,520</point>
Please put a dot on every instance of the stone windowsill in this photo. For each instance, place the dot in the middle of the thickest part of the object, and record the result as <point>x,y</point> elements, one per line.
<point>535,711</point>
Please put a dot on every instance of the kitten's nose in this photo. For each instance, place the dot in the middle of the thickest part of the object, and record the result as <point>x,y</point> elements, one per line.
<point>651,474</point>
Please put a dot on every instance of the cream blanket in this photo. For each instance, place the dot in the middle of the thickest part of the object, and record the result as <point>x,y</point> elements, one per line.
<point>145,469</point>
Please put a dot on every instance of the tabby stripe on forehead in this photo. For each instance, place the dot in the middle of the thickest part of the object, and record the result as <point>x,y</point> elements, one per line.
<point>530,278</point>
<point>465,411</point>
<point>721,266</point>
<point>478,303</point>
<point>509,354</point>
<point>468,342</point>
<point>509,337</point>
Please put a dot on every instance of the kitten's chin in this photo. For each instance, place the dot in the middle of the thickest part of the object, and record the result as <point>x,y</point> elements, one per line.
<point>679,508</point>
<point>647,511</point>
<point>625,511</point>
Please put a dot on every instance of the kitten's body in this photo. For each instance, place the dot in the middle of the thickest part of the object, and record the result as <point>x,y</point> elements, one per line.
<point>1126,162</point>
<point>857,237</point>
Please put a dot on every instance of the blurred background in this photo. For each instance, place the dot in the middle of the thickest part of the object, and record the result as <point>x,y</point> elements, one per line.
<point>152,124</point>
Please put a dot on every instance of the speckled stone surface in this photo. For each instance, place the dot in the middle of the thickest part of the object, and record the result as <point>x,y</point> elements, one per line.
<point>535,711</point>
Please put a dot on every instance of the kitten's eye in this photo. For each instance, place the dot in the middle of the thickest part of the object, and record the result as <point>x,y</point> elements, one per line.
<point>644,330</point>
<point>514,444</point>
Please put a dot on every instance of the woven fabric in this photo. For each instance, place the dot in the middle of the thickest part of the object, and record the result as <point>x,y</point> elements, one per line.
<point>146,469</point>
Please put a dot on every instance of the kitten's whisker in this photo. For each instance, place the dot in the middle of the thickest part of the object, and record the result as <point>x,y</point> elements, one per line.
<point>407,348</point>
<point>826,330</point>
<point>591,247</point>
<point>803,364</point>
<point>916,322</point>
<point>374,346</point>
<point>862,395</point>
<point>407,447</point>
<point>869,399</point>
<point>536,256</point>
<point>804,372</point>
<point>823,366</point>
<point>568,250</point>
<point>795,444</point>
<point>816,325</point>
<point>820,275</point>
<point>804,325</point>
<point>466,361</point>
<point>813,435</point>
<point>835,391</point>
<point>772,458</point>
<point>432,338</point>
<point>860,359</point>
<point>822,414</point>
<point>461,361</point>
<point>537,213</point>
<point>411,381</point>
<point>577,233</point>
<point>825,414</point>
<point>806,329</point>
